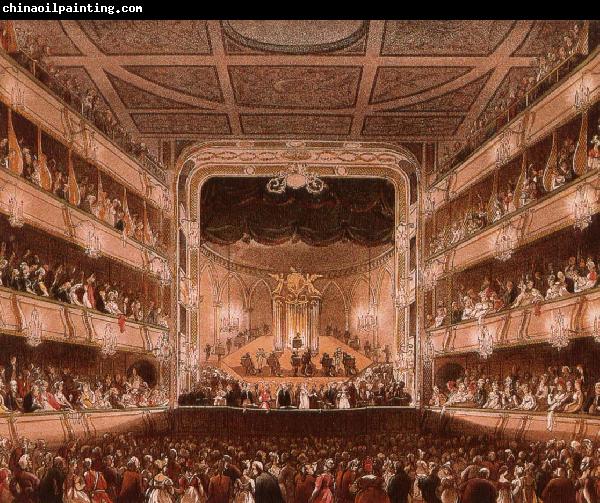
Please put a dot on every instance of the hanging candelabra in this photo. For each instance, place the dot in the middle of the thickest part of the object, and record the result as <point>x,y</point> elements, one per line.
<point>229,324</point>
<point>16,216</point>
<point>428,350</point>
<point>33,332</point>
<point>505,243</point>
<point>296,178</point>
<point>92,246</point>
<point>162,351</point>
<point>582,210</point>
<point>367,322</point>
<point>559,333</point>
<point>582,97</point>
<point>485,339</point>
<point>596,332</point>
<point>108,346</point>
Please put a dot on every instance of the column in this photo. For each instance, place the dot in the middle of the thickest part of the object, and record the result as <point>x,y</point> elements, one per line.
<point>217,323</point>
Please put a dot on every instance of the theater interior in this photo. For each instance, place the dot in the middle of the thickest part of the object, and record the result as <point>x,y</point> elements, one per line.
<point>353,256</point>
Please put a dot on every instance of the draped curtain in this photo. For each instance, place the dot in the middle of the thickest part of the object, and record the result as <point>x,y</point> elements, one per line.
<point>357,210</point>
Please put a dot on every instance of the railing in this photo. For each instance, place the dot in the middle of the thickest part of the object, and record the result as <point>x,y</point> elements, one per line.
<point>533,94</point>
<point>114,131</point>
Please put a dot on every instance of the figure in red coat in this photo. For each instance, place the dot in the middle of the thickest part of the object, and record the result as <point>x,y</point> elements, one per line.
<point>370,488</point>
<point>560,489</point>
<point>95,483</point>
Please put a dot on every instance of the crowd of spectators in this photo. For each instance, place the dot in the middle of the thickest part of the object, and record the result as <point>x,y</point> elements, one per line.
<point>558,389</point>
<point>34,53</point>
<point>520,288</point>
<point>545,72</point>
<point>89,197</point>
<point>30,388</point>
<point>31,273</point>
<point>386,468</point>
<point>377,385</point>
<point>515,194</point>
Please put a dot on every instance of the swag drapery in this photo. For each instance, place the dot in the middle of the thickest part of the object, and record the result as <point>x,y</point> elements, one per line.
<point>357,210</point>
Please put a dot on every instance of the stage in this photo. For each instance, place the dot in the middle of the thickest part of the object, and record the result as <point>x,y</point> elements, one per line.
<point>231,363</point>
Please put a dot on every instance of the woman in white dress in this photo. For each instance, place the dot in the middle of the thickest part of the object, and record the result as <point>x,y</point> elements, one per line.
<point>304,399</point>
<point>191,488</point>
<point>161,486</point>
<point>244,488</point>
<point>75,485</point>
<point>343,403</point>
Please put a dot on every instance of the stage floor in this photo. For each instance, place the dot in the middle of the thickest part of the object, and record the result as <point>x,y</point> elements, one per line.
<point>231,363</point>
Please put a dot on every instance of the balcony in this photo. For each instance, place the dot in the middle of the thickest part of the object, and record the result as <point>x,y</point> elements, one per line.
<point>62,427</point>
<point>45,211</point>
<point>534,123</point>
<point>512,425</point>
<point>544,216</point>
<point>31,99</point>
<point>521,326</point>
<point>72,324</point>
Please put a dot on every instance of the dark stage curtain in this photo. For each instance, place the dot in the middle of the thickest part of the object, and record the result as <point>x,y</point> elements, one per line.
<point>357,210</point>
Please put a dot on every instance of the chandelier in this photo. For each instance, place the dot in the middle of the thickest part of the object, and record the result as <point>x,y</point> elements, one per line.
<point>428,350</point>
<point>33,332</point>
<point>559,333</point>
<point>160,268</point>
<point>162,351</point>
<point>15,212</point>
<point>229,324</point>
<point>109,342</point>
<point>582,97</point>
<point>92,244</point>
<point>367,322</point>
<point>596,332</point>
<point>505,243</point>
<point>582,210</point>
<point>296,178</point>
<point>485,339</point>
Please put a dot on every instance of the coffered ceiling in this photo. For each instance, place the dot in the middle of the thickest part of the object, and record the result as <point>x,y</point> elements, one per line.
<point>392,80</point>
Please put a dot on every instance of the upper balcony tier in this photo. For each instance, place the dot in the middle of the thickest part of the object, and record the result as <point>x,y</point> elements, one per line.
<point>556,107</point>
<point>73,324</point>
<point>522,326</point>
<point>30,98</point>
<point>43,210</point>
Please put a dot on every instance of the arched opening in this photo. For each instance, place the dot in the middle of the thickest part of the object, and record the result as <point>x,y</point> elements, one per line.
<point>206,315</point>
<point>146,370</point>
<point>385,312</point>
<point>261,310</point>
<point>333,307</point>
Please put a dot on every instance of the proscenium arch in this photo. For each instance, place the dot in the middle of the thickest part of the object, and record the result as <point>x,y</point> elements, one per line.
<point>267,158</point>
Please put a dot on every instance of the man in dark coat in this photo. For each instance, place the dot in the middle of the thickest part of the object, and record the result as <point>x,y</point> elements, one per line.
<point>284,399</point>
<point>479,489</point>
<point>131,487</point>
<point>267,488</point>
<point>220,486</point>
<point>429,485</point>
<point>399,485</point>
<point>560,489</point>
<point>51,486</point>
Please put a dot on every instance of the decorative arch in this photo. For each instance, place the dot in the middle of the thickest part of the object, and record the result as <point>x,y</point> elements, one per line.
<point>334,284</point>
<point>254,287</point>
<point>268,158</point>
<point>209,268</point>
<point>223,284</point>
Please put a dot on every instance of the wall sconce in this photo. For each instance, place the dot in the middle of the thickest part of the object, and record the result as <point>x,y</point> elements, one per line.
<point>403,232</point>
<point>506,242</point>
<point>33,331</point>
<point>163,351</point>
<point>428,350</point>
<point>559,333</point>
<point>159,267</point>
<point>91,239</point>
<point>503,150</point>
<point>16,216</point>
<point>582,210</point>
<point>429,275</point>
<point>109,342</point>
<point>582,97</point>
<point>596,332</point>
<point>17,98</point>
<point>485,339</point>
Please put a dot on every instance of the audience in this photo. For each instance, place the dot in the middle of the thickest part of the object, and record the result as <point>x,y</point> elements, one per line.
<point>92,199</point>
<point>520,288</point>
<point>33,54</point>
<point>557,63</point>
<point>422,466</point>
<point>30,273</point>
<point>563,389</point>
<point>31,388</point>
<point>377,385</point>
